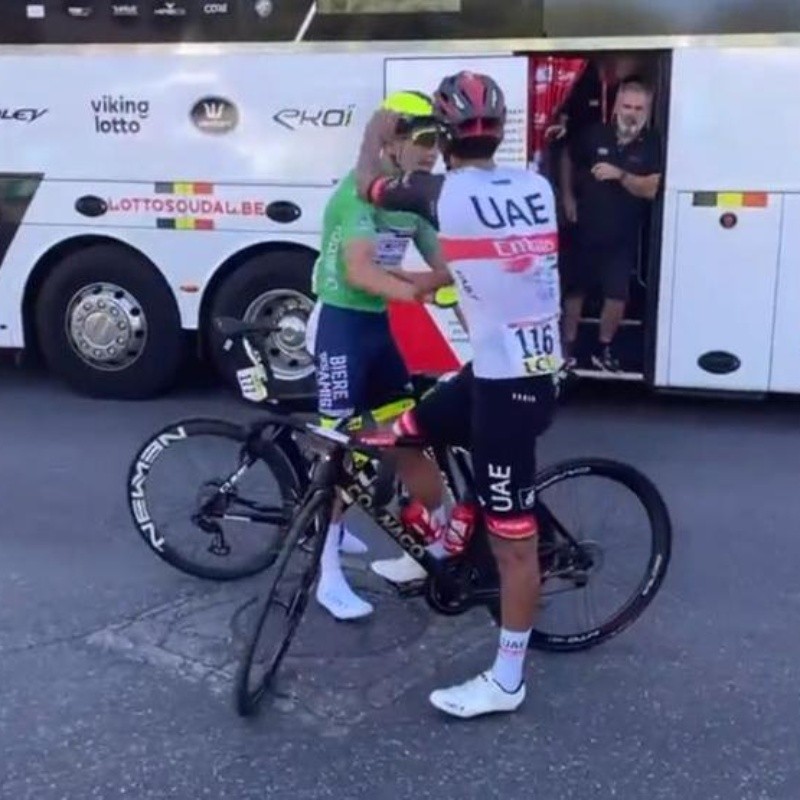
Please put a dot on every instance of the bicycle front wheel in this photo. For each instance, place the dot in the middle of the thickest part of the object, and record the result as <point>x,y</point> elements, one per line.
<point>284,604</point>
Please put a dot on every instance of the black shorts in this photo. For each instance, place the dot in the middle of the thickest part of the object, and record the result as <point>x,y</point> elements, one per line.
<point>498,421</point>
<point>607,266</point>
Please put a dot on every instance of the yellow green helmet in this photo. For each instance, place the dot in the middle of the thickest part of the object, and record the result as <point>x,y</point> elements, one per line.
<point>415,110</point>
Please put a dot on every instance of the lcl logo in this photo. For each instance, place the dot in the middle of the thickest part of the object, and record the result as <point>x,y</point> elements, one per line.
<point>214,115</point>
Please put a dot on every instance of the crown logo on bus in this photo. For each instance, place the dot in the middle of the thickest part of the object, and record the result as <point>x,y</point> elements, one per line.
<point>214,110</point>
<point>214,115</point>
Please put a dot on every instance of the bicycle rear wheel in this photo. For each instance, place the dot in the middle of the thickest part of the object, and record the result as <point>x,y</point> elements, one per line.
<point>572,563</point>
<point>207,505</point>
<point>286,598</point>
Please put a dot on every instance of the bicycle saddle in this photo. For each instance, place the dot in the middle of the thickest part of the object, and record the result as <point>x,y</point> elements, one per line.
<point>230,326</point>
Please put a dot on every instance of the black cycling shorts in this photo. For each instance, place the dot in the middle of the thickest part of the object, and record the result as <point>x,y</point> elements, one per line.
<point>498,421</point>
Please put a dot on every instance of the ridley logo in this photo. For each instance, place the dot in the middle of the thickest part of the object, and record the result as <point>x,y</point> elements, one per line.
<point>214,115</point>
<point>21,114</point>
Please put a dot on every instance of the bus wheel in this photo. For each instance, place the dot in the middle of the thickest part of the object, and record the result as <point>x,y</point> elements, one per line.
<point>273,285</point>
<point>108,324</point>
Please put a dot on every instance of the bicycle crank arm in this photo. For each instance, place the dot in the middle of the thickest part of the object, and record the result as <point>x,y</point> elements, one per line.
<point>276,518</point>
<point>410,588</point>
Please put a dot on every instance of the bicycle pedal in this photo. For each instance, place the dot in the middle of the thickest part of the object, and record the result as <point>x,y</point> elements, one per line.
<point>411,588</point>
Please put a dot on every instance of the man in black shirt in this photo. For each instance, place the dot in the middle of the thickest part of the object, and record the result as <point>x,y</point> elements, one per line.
<point>616,170</point>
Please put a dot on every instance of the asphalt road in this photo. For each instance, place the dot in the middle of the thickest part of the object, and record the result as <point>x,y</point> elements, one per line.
<point>114,668</point>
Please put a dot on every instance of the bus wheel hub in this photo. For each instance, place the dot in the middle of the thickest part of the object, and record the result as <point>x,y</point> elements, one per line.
<point>286,348</point>
<point>292,335</point>
<point>106,326</point>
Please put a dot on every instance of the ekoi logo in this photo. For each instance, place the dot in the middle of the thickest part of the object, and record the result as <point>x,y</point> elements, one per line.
<point>214,115</point>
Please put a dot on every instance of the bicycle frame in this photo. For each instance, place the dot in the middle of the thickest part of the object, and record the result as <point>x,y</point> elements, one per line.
<point>355,488</point>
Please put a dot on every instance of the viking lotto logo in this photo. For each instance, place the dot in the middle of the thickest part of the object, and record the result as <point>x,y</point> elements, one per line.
<point>118,114</point>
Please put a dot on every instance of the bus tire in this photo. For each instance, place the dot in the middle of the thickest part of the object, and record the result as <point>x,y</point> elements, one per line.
<point>102,290</point>
<point>273,284</point>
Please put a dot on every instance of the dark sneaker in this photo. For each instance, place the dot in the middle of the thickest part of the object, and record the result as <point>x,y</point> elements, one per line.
<point>605,360</point>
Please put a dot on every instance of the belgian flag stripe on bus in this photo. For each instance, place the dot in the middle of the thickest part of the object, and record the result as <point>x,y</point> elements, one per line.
<point>185,224</point>
<point>186,188</point>
<point>731,199</point>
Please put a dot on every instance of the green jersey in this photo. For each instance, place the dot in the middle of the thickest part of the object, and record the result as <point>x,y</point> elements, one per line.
<point>347,218</point>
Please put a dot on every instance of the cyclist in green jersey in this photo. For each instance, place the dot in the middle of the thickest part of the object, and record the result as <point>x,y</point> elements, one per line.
<point>359,269</point>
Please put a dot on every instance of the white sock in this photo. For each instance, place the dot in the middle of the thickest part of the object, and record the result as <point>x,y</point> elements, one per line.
<point>333,591</point>
<point>439,516</point>
<point>351,544</point>
<point>510,660</point>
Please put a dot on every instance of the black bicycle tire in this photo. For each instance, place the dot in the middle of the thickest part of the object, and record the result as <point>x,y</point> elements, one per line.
<point>273,456</point>
<point>246,701</point>
<point>660,554</point>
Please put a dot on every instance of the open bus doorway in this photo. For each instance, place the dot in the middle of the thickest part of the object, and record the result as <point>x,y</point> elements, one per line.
<point>568,92</point>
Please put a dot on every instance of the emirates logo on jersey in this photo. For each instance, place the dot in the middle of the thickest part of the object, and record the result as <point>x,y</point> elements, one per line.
<point>526,246</point>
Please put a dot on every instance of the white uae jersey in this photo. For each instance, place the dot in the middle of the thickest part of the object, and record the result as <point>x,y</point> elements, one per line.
<point>499,235</point>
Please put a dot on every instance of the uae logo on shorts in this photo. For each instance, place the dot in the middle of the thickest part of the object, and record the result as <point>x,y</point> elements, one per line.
<point>214,115</point>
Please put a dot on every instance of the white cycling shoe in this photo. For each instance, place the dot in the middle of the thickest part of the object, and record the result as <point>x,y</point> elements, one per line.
<point>398,570</point>
<point>480,695</point>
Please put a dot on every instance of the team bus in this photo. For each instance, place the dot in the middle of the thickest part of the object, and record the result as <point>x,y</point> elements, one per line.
<point>162,163</point>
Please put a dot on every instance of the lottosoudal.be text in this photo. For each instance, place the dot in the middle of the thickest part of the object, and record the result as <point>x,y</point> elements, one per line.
<point>194,206</point>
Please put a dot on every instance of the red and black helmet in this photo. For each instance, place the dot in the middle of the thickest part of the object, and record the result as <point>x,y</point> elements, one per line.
<point>469,104</point>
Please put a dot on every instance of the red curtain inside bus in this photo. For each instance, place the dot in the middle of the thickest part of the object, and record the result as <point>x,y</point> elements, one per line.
<point>550,80</point>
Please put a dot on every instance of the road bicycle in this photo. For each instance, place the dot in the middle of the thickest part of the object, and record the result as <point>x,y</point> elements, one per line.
<point>353,460</point>
<point>311,464</point>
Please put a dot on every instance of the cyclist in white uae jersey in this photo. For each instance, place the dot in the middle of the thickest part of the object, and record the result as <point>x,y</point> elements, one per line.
<point>497,227</point>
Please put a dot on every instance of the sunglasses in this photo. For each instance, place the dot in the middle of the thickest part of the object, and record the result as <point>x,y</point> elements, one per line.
<point>426,137</point>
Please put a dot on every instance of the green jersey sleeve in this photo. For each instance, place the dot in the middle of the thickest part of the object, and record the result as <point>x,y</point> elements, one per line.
<point>358,220</point>
<point>426,239</point>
